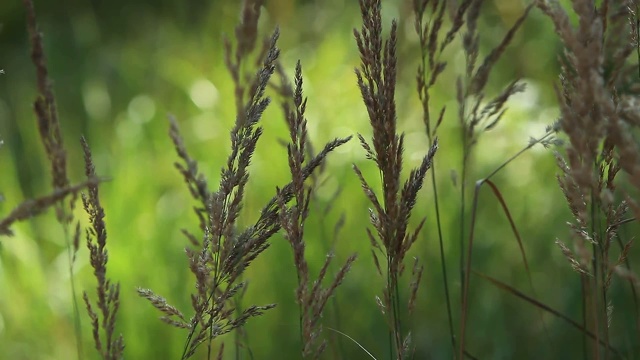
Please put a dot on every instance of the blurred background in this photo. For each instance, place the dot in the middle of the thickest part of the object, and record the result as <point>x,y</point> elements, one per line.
<point>120,67</point>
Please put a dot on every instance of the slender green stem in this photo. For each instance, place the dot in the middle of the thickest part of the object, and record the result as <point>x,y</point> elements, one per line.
<point>531,144</point>
<point>301,316</point>
<point>354,341</point>
<point>240,333</point>
<point>76,309</point>
<point>427,121</point>
<point>390,311</point>
<point>396,316</point>
<point>583,291</point>
<point>462,217</point>
<point>443,264</point>
<point>326,250</point>
<point>594,266</point>
<point>637,34</point>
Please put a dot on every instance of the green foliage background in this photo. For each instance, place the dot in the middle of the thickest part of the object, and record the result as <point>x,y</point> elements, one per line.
<point>119,67</point>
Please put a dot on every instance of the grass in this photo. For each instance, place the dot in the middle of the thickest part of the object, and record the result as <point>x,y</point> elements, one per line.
<point>593,140</point>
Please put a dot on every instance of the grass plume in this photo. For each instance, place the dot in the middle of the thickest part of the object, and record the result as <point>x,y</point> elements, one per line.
<point>109,345</point>
<point>390,216</point>
<point>223,252</point>
<point>311,296</point>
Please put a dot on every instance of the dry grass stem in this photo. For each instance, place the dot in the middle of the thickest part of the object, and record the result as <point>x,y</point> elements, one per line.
<point>593,94</point>
<point>219,260</point>
<point>476,116</point>
<point>311,296</point>
<point>109,345</point>
<point>390,216</point>
<point>45,105</point>
<point>33,207</point>
<point>50,132</point>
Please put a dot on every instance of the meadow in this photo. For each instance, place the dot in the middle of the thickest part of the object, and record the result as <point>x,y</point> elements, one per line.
<point>283,179</point>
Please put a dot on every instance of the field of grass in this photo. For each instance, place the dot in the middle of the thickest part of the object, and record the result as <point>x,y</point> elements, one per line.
<point>335,179</point>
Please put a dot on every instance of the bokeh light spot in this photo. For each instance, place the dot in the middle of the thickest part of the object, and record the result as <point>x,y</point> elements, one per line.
<point>141,109</point>
<point>204,94</point>
<point>96,99</point>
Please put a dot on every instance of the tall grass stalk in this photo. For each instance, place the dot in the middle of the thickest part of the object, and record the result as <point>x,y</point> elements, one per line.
<point>390,216</point>
<point>476,117</point>
<point>595,114</point>
<point>220,257</point>
<point>51,137</point>
<point>311,297</point>
<point>432,44</point>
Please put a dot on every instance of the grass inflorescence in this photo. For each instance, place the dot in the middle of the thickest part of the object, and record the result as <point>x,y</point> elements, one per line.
<point>595,147</point>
